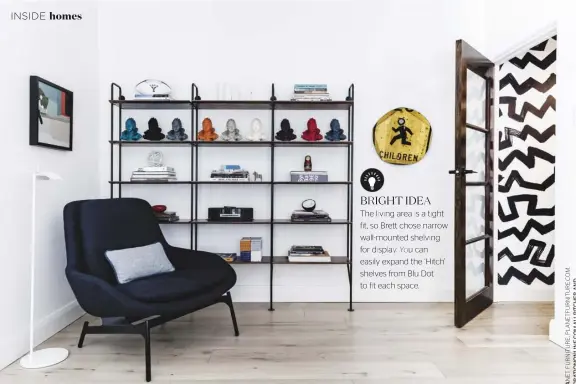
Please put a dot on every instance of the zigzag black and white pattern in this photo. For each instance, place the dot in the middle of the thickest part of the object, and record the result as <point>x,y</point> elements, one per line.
<point>530,58</point>
<point>511,101</point>
<point>532,210</point>
<point>533,245</point>
<point>524,134</point>
<point>526,158</point>
<point>522,234</point>
<point>526,279</point>
<point>516,177</point>
<point>528,85</point>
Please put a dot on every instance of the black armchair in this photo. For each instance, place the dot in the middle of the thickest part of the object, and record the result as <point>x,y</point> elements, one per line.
<point>92,227</point>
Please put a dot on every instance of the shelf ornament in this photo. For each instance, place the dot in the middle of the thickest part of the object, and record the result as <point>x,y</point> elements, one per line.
<point>335,133</point>
<point>177,132</point>
<point>312,133</point>
<point>131,132</point>
<point>208,133</point>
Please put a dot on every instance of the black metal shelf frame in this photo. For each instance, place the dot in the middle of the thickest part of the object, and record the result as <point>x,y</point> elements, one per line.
<point>194,105</point>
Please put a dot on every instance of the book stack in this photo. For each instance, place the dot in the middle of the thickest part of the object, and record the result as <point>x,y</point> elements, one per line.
<point>309,177</point>
<point>308,254</point>
<point>167,216</point>
<point>230,173</point>
<point>311,92</point>
<point>312,217</point>
<point>154,174</point>
<point>256,249</point>
<point>251,249</point>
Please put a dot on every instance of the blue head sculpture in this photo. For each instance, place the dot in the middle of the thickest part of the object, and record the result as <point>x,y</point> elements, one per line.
<point>335,126</point>
<point>131,125</point>
<point>131,131</point>
<point>335,133</point>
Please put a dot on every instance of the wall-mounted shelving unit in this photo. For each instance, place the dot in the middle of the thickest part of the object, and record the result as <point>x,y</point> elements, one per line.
<point>118,104</point>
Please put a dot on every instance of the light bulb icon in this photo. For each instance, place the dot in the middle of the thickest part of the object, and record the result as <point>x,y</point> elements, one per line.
<point>372,181</point>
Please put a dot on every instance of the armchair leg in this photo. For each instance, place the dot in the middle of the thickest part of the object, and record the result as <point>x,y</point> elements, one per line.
<point>83,334</point>
<point>231,306</point>
<point>147,351</point>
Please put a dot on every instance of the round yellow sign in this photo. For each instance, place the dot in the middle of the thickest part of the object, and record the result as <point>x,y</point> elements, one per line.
<point>402,136</point>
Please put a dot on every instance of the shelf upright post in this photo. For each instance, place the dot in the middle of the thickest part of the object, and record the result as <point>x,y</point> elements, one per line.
<point>195,97</point>
<point>120,97</point>
<point>350,190</point>
<point>272,147</point>
<point>112,85</point>
<point>193,150</point>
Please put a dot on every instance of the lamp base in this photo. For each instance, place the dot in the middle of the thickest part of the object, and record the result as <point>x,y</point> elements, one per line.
<point>44,358</point>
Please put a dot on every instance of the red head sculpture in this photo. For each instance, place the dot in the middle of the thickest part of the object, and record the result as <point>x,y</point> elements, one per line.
<point>312,133</point>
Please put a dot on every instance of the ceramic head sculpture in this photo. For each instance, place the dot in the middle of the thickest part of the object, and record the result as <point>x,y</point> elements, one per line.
<point>131,131</point>
<point>231,133</point>
<point>154,131</point>
<point>286,133</point>
<point>207,133</point>
<point>177,132</point>
<point>256,133</point>
<point>335,133</point>
<point>312,133</point>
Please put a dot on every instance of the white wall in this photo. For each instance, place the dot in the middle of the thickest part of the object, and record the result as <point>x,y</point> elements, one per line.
<point>393,61</point>
<point>510,23</point>
<point>64,53</point>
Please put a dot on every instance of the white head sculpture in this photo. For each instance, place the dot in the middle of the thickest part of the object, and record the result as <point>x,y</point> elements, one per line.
<point>256,133</point>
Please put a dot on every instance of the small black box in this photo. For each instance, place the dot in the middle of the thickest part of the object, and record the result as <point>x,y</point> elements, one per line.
<point>230,214</point>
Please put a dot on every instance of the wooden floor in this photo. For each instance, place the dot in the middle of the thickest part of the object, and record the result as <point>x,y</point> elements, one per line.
<point>318,344</point>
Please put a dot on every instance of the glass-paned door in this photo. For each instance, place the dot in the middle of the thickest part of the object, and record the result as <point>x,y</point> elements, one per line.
<point>473,230</point>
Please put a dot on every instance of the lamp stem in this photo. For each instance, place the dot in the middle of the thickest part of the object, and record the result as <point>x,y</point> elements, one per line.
<point>32,264</point>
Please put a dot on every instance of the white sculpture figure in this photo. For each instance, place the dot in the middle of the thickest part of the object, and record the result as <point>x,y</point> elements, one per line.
<point>231,133</point>
<point>256,134</point>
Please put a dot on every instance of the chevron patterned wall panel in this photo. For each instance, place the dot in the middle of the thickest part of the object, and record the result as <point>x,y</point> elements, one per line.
<point>527,113</point>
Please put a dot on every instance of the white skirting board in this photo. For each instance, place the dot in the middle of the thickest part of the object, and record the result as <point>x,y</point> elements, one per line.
<point>556,332</point>
<point>17,345</point>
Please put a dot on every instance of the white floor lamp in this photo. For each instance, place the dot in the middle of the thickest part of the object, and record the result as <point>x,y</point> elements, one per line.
<point>49,356</point>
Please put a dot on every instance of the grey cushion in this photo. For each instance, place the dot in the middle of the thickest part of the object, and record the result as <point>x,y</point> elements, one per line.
<point>134,263</point>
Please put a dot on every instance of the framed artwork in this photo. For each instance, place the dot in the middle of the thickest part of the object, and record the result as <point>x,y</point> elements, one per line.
<point>50,114</point>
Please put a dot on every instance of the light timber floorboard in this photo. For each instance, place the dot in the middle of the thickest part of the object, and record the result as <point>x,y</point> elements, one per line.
<point>317,343</point>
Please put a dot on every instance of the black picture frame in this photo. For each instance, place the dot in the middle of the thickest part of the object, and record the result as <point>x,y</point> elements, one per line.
<point>51,115</point>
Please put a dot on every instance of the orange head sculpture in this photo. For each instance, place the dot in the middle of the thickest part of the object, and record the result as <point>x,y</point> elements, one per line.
<point>207,133</point>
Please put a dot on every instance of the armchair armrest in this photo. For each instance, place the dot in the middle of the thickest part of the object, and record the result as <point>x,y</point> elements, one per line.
<point>186,259</point>
<point>99,298</point>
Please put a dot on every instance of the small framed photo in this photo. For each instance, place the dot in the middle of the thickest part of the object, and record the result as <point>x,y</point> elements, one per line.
<point>51,114</point>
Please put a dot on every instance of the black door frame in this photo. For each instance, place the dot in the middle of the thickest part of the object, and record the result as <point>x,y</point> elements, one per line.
<point>467,308</point>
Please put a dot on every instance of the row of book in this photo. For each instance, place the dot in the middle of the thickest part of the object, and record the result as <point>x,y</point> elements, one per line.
<point>167,216</point>
<point>311,92</point>
<point>250,251</point>
<point>308,254</point>
<point>154,174</point>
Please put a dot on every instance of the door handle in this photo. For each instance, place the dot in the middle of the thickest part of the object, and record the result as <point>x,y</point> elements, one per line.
<point>461,171</point>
